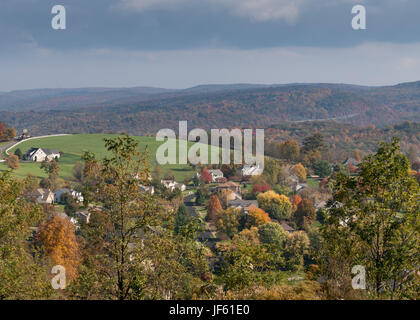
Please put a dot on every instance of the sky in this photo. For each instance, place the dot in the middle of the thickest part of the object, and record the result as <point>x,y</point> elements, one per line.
<point>183,43</point>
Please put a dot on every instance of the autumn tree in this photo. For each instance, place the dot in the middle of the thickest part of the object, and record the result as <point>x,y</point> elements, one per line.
<point>305,213</point>
<point>10,134</point>
<point>260,188</point>
<point>174,267</point>
<point>13,162</point>
<point>296,200</point>
<point>243,257</point>
<point>213,208</point>
<point>59,244</point>
<point>357,155</point>
<point>296,247</point>
<point>289,150</point>
<point>22,273</point>
<point>31,183</point>
<point>256,217</point>
<point>206,176</point>
<point>300,172</point>
<point>229,221</point>
<point>373,220</point>
<point>2,131</point>
<point>278,206</point>
<point>283,190</point>
<point>225,195</point>
<point>274,173</point>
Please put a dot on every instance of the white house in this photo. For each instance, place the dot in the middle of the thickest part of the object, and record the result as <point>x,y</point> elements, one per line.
<point>42,196</point>
<point>172,185</point>
<point>147,189</point>
<point>40,155</point>
<point>250,170</point>
<point>83,217</point>
<point>63,215</point>
<point>60,192</point>
<point>296,187</point>
<point>216,174</point>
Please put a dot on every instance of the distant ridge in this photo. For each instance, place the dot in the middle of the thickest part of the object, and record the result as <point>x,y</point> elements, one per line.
<point>145,110</point>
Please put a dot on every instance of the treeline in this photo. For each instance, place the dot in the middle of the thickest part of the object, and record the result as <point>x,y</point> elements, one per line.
<point>256,108</point>
<point>6,133</point>
<point>343,140</point>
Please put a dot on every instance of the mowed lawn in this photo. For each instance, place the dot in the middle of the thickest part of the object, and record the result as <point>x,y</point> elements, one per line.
<point>74,146</point>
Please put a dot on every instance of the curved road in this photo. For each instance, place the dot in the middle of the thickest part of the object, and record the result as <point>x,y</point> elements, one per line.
<point>5,148</point>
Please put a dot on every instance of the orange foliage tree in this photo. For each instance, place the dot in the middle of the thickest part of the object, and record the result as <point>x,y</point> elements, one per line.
<point>214,208</point>
<point>59,244</point>
<point>13,161</point>
<point>257,217</point>
<point>296,200</point>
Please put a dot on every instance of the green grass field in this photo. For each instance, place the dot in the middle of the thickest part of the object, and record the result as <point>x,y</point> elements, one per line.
<point>313,183</point>
<point>74,146</point>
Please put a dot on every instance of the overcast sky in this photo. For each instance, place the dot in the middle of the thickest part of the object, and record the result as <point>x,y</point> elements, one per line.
<point>182,43</point>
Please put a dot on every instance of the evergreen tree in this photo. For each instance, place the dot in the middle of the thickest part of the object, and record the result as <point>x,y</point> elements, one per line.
<point>182,219</point>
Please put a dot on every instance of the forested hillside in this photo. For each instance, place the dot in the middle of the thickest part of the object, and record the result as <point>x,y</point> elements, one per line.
<point>342,139</point>
<point>217,107</point>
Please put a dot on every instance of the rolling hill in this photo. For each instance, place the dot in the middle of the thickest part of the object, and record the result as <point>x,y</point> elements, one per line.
<point>213,106</point>
<point>74,146</point>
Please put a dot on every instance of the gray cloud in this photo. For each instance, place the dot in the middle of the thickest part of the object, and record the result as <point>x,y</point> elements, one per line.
<point>184,42</point>
<point>183,24</point>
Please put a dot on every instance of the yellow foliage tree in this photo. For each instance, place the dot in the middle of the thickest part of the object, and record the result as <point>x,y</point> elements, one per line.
<point>257,217</point>
<point>278,205</point>
<point>300,172</point>
<point>60,245</point>
<point>228,221</point>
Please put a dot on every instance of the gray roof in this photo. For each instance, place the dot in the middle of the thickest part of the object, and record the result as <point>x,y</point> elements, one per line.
<point>352,161</point>
<point>286,227</point>
<point>216,171</point>
<point>243,203</point>
<point>46,151</point>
